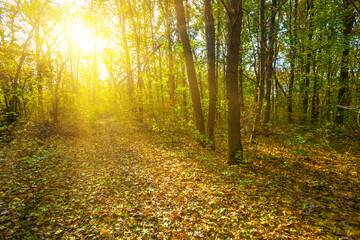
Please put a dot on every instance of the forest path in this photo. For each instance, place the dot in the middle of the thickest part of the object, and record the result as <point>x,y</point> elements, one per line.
<point>118,182</point>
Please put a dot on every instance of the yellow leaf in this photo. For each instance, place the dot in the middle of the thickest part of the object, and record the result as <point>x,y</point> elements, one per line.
<point>103,232</point>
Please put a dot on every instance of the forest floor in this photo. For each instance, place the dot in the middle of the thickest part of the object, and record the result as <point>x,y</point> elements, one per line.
<point>122,181</point>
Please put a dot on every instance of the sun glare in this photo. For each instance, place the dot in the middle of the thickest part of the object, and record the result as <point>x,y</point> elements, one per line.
<point>83,39</point>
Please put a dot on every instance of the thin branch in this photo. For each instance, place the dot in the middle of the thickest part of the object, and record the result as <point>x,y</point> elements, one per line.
<point>354,5</point>
<point>348,107</point>
<point>226,8</point>
<point>278,9</point>
<point>251,16</point>
<point>254,81</point>
<point>279,85</point>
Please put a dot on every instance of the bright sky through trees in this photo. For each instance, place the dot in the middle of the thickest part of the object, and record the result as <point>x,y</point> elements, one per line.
<point>82,38</point>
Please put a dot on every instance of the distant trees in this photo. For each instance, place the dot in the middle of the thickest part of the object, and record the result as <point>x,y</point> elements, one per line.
<point>236,63</point>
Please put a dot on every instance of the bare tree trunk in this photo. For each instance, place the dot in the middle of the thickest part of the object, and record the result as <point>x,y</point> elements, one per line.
<point>170,60</point>
<point>293,37</point>
<point>235,15</point>
<point>138,59</point>
<point>308,61</point>
<point>270,69</point>
<point>315,96</point>
<point>190,67</point>
<point>343,99</point>
<point>184,92</point>
<point>262,62</point>
<point>210,47</point>
<point>55,111</point>
<point>39,71</point>
<point>130,81</point>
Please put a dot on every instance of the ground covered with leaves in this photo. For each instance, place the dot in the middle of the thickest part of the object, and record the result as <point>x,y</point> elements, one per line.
<point>120,181</point>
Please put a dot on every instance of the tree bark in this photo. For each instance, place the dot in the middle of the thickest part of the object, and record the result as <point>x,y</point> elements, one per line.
<point>293,37</point>
<point>138,60</point>
<point>232,62</point>
<point>39,71</point>
<point>270,69</point>
<point>170,60</point>
<point>262,61</point>
<point>55,110</point>
<point>308,60</point>
<point>190,67</point>
<point>343,99</point>
<point>210,47</point>
<point>130,81</point>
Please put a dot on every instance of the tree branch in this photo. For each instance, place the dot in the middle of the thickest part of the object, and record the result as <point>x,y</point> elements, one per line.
<point>354,5</point>
<point>226,8</point>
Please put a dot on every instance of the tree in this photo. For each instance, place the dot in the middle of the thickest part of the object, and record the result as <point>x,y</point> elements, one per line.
<point>343,99</point>
<point>210,47</point>
<point>262,60</point>
<point>292,55</point>
<point>270,69</point>
<point>170,58</point>
<point>235,14</point>
<point>190,67</point>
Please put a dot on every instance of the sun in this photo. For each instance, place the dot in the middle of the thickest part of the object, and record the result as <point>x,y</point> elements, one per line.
<point>82,38</point>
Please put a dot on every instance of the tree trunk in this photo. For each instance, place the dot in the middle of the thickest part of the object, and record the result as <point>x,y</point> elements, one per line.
<point>232,63</point>
<point>293,37</point>
<point>138,60</point>
<point>130,81</point>
<point>308,60</point>
<point>270,69</point>
<point>55,111</point>
<point>262,60</point>
<point>39,71</point>
<point>210,47</point>
<point>315,96</point>
<point>343,99</point>
<point>170,61</point>
<point>190,67</point>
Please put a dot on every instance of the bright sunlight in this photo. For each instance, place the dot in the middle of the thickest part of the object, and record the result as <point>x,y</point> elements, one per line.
<point>83,39</point>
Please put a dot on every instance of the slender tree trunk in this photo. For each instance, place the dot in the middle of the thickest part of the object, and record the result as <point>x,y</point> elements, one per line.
<point>55,109</point>
<point>235,15</point>
<point>136,30</point>
<point>315,97</point>
<point>343,99</point>
<point>150,87</point>
<point>210,47</point>
<point>184,92</point>
<point>190,67</point>
<point>308,60</point>
<point>170,59</point>
<point>130,81</point>
<point>39,71</point>
<point>161,81</point>
<point>293,37</point>
<point>241,82</point>
<point>262,61</point>
<point>270,69</point>
<point>328,90</point>
<point>262,74</point>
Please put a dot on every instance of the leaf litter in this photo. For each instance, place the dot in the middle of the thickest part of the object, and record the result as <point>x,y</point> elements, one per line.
<point>116,182</point>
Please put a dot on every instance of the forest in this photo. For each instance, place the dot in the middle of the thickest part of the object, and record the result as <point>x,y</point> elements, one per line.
<point>179,119</point>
